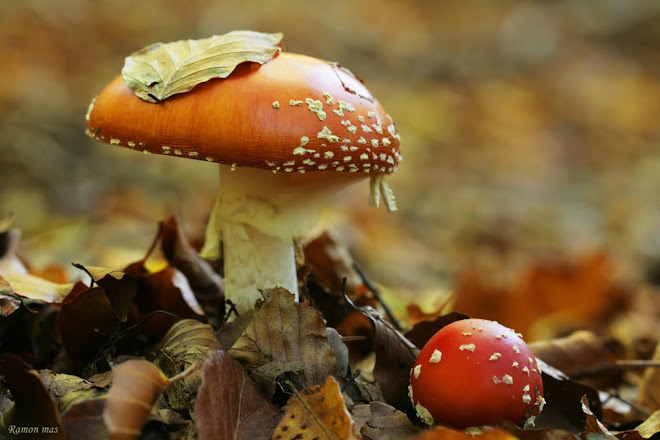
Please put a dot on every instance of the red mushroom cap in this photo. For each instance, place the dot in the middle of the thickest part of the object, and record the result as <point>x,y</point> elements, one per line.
<point>476,372</point>
<point>293,113</point>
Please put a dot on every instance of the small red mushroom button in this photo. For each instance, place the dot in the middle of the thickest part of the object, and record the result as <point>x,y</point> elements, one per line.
<point>476,372</point>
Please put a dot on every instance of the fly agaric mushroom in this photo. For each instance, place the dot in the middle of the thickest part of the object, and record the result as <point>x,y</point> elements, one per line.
<point>287,134</point>
<point>476,372</point>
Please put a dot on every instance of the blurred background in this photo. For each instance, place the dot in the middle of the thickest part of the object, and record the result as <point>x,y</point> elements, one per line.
<point>530,134</point>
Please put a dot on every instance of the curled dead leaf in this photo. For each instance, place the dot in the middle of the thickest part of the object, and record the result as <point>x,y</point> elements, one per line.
<point>227,389</point>
<point>395,356</point>
<point>207,285</point>
<point>189,342</point>
<point>317,412</point>
<point>563,396</point>
<point>167,290</point>
<point>38,289</point>
<point>135,387</point>
<point>594,427</point>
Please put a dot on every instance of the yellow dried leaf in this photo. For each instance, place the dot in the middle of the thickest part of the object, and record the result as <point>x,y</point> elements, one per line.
<point>317,412</point>
<point>159,71</point>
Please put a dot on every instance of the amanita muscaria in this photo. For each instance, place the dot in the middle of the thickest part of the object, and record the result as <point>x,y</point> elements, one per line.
<point>476,372</point>
<point>287,132</point>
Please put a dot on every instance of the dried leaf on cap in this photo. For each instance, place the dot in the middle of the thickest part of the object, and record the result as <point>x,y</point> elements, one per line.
<point>159,71</point>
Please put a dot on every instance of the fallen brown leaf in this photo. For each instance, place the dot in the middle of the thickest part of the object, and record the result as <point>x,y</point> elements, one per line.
<point>563,396</point>
<point>422,331</point>
<point>86,322</point>
<point>227,389</point>
<point>38,289</point>
<point>578,354</point>
<point>317,412</point>
<point>34,408</point>
<point>119,287</point>
<point>649,387</point>
<point>166,290</point>
<point>332,263</point>
<point>561,294</point>
<point>650,427</point>
<point>135,387</point>
<point>204,281</point>
<point>594,427</point>
<point>289,336</point>
<point>395,356</point>
<point>380,421</point>
<point>9,302</point>
<point>84,420</point>
<point>189,342</point>
<point>67,389</point>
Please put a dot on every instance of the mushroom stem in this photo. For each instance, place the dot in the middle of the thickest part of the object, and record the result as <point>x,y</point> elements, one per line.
<point>255,261</point>
<point>258,214</point>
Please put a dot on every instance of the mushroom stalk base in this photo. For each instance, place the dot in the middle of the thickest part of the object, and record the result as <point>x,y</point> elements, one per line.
<point>258,214</point>
<point>255,261</point>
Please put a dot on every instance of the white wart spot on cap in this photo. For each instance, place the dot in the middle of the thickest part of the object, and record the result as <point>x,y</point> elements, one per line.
<point>468,347</point>
<point>527,399</point>
<point>328,98</point>
<point>424,414</point>
<point>316,107</point>
<point>114,141</point>
<point>526,388</point>
<point>436,357</point>
<point>516,349</point>
<point>343,105</point>
<point>507,379</point>
<point>417,370</point>
<point>276,104</point>
<point>495,356</point>
<point>326,134</point>
<point>293,102</point>
<point>515,364</point>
